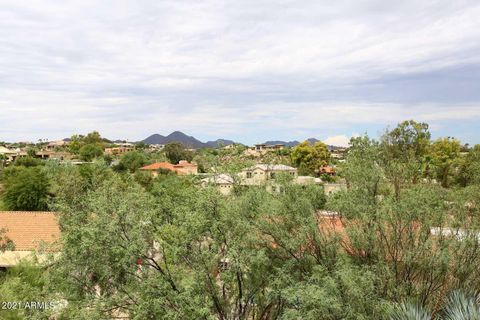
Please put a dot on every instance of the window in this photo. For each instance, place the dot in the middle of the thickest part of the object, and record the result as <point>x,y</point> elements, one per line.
<point>249,175</point>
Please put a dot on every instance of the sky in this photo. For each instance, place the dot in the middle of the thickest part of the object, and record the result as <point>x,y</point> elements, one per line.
<point>250,70</point>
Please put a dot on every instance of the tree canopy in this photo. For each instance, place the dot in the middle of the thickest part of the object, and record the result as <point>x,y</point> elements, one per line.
<point>310,158</point>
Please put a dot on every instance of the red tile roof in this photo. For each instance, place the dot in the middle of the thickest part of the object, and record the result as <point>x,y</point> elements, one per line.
<point>28,230</point>
<point>159,165</point>
<point>183,164</point>
<point>327,169</point>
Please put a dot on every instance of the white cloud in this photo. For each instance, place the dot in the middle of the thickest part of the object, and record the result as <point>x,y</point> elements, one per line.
<point>341,141</point>
<point>250,68</point>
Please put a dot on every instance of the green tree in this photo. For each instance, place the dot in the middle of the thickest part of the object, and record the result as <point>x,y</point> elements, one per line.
<point>175,152</point>
<point>93,138</point>
<point>90,151</point>
<point>78,141</point>
<point>183,252</point>
<point>392,232</point>
<point>402,153</point>
<point>26,189</point>
<point>468,168</point>
<point>25,283</point>
<point>27,162</point>
<point>141,145</point>
<point>445,153</point>
<point>132,161</point>
<point>310,158</point>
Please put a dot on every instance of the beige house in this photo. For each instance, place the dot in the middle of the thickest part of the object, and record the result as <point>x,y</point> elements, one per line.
<point>263,173</point>
<point>223,182</point>
<point>56,144</point>
<point>261,149</point>
<point>331,188</point>
<point>9,154</point>
<point>118,150</point>
<point>27,233</point>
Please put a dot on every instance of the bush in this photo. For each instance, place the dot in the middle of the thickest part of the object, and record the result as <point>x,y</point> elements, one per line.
<point>26,189</point>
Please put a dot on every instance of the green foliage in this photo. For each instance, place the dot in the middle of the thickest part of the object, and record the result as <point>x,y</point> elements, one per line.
<point>165,248</point>
<point>132,161</point>
<point>408,311</point>
<point>27,162</point>
<point>90,151</point>
<point>458,306</point>
<point>346,292</point>
<point>310,158</point>
<point>26,189</point>
<point>141,146</point>
<point>176,151</point>
<point>145,179</point>
<point>201,254</point>
<point>402,153</point>
<point>24,283</point>
<point>444,153</point>
<point>5,243</point>
<point>468,168</point>
<point>77,142</point>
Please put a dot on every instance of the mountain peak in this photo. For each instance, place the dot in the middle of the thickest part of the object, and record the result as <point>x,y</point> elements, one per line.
<point>175,136</point>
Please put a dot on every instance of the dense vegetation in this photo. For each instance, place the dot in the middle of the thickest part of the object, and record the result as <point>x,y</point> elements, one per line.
<point>165,248</point>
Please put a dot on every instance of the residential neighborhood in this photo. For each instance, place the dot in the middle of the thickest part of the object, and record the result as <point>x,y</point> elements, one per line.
<point>300,204</point>
<point>240,160</point>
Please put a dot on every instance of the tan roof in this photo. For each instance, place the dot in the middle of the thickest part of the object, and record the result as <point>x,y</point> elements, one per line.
<point>28,230</point>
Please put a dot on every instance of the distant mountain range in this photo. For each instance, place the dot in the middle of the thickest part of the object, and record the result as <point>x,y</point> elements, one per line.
<point>289,143</point>
<point>188,141</point>
<point>192,142</point>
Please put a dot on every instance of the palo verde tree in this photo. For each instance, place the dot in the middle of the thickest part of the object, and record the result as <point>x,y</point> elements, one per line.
<point>181,252</point>
<point>402,152</point>
<point>310,158</point>
<point>444,154</point>
<point>406,238</point>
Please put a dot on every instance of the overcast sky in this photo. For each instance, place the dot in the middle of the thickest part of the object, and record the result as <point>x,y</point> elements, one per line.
<point>248,70</point>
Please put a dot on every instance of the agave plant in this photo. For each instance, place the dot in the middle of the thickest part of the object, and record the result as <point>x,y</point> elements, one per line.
<point>458,306</point>
<point>410,311</point>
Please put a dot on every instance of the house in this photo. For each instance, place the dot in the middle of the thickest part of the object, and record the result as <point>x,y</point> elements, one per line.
<point>223,182</point>
<point>185,168</point>
<point>28,232</point>
<point>118,150</point>
<point>182,168</point>
<point>328,170</point>
<point>261,174</point>
<point>307,180</point>
<point>55,144</point>
<point>261,149</point>
<point>155,168</point>
<point>155,147</point>
<point>9,154</point>
<point>331,188</point>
